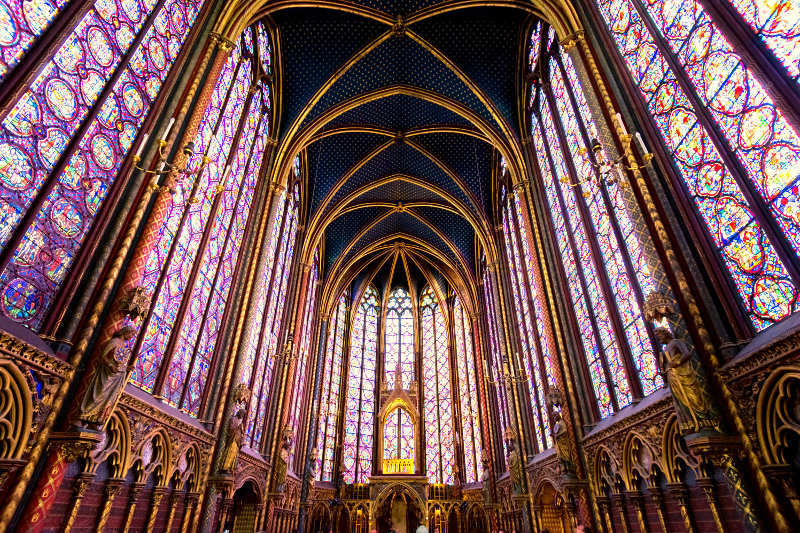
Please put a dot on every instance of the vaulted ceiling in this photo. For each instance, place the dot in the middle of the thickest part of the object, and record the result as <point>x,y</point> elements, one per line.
<point>400,110</point>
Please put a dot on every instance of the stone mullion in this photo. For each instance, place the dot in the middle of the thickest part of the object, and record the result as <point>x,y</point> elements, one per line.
<point>512,363</point>
<point>455,391</point>
<point>492,429</point>
<point>757,206</point>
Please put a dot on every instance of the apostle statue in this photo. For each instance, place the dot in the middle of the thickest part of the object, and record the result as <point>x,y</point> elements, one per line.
<point>515,468</point>
<point>485,478</point>
<point>689,394</point>
<point>287,436</point>
<point>560,434</point>
<point>233,441</point>
<point>107,378</point>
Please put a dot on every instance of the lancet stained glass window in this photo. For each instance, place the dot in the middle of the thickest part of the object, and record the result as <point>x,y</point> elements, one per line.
<point>436,390</point>
<point>498,388</point>
<point>329,399</point>
<point>191,267</point>
<point>726,133</point>
<point>360,407</point>
<point>399,338</point>
<point>527,302</point>
<point>262,345</point>
<point>61,145</point>
<point>302,386</point>
<point>467,393</point>
<point>603,259</point>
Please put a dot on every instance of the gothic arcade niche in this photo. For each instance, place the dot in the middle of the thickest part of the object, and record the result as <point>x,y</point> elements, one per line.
<point>354,266</point>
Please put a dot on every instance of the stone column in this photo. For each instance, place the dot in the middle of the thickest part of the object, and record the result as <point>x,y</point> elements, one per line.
<point>78,492</point>
<point>135,490</point>
<point>155,502</point>
<point>110,491</point>
<point>681,495</point>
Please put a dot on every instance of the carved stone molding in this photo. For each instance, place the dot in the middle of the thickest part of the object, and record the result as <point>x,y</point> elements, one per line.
<point>171,423</point>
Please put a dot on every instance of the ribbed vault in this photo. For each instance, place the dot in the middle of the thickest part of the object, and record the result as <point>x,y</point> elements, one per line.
<point>400,119</point>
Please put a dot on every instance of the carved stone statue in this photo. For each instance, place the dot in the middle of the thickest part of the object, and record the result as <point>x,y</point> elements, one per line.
<point>486,489</point>
<point>515,469</point>
<point>233,441</point>
<point>287,436</point>
<point>689,395</point>
<point>562,444</point>
<point>313,466</point>
<point>107,378</point>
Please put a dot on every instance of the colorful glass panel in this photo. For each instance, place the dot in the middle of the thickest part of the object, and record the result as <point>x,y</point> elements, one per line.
<point>44,120</point>
<point>603,221</point>
<point>495,362</point>
<point>399,339</point>
<point>21,23</point>
<point>329,401</point>
<point>436,391</point>
<point>777,23</point>
<point>767,292</point>
<point>468,393</point>
<point>360,404</point>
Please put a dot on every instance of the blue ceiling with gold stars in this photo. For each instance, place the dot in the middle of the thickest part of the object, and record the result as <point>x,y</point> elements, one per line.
<point>400,105</point>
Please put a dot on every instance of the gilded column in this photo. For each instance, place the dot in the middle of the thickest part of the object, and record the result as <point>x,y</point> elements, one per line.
<point>135,491</point>
<point>658,502</point>
<point>110,492</point>
<point>604,505</point>
<point>681,495</point>
<point>707,485</point>
<point>618,500</point>
<point>174,500</point>
<point>155,502</point>
<point>637,500</point>
<point>78,492</point>
<point>189,508</point>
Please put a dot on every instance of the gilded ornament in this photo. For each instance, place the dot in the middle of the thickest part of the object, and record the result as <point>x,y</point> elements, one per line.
<point>234,434</point>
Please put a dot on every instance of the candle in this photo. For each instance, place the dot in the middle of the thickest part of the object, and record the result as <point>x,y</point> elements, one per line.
<point>621,124</point>
<point>141,145</point>
<point>168,128</point>
<point>640,143</point>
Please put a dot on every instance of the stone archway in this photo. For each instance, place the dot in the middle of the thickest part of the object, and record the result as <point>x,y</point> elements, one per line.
<point>400,506</point>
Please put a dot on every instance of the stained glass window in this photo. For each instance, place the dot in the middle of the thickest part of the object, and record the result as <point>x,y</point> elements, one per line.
<point>61,145</point>
<point>777,23</point>
<point>467,392</point>
<point>361,391</point>
<point>398,436</point>
<point>301,386</point>
<point>331,382</point>
<point>498,387</point>
<point>259,350</point>
<point>399,339</point>
<point>436,391</point>
<point>726,133</point>
<point>190,269</point>
<point>599,242</point>
<point>527,302</point>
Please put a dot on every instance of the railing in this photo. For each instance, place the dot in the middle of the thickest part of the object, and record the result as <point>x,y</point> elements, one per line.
<point>398,466</point>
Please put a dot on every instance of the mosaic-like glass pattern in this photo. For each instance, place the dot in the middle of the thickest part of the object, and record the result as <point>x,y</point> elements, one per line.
<point>467,393</point>
<point>189,217</point>
<point>498,387</point>
<point>777,23</point>
<point>523,284</point>
<point>436,391</point>
<point>398,435</point>
<point>399,339</point>
<point>331,382</point>
<point>301,377</point>
<point>271,326</point>
<point>757,133</point>
<point>604,218</point>
<point>49,116</point>
<point>21,23</point>
<point>360,406</point>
